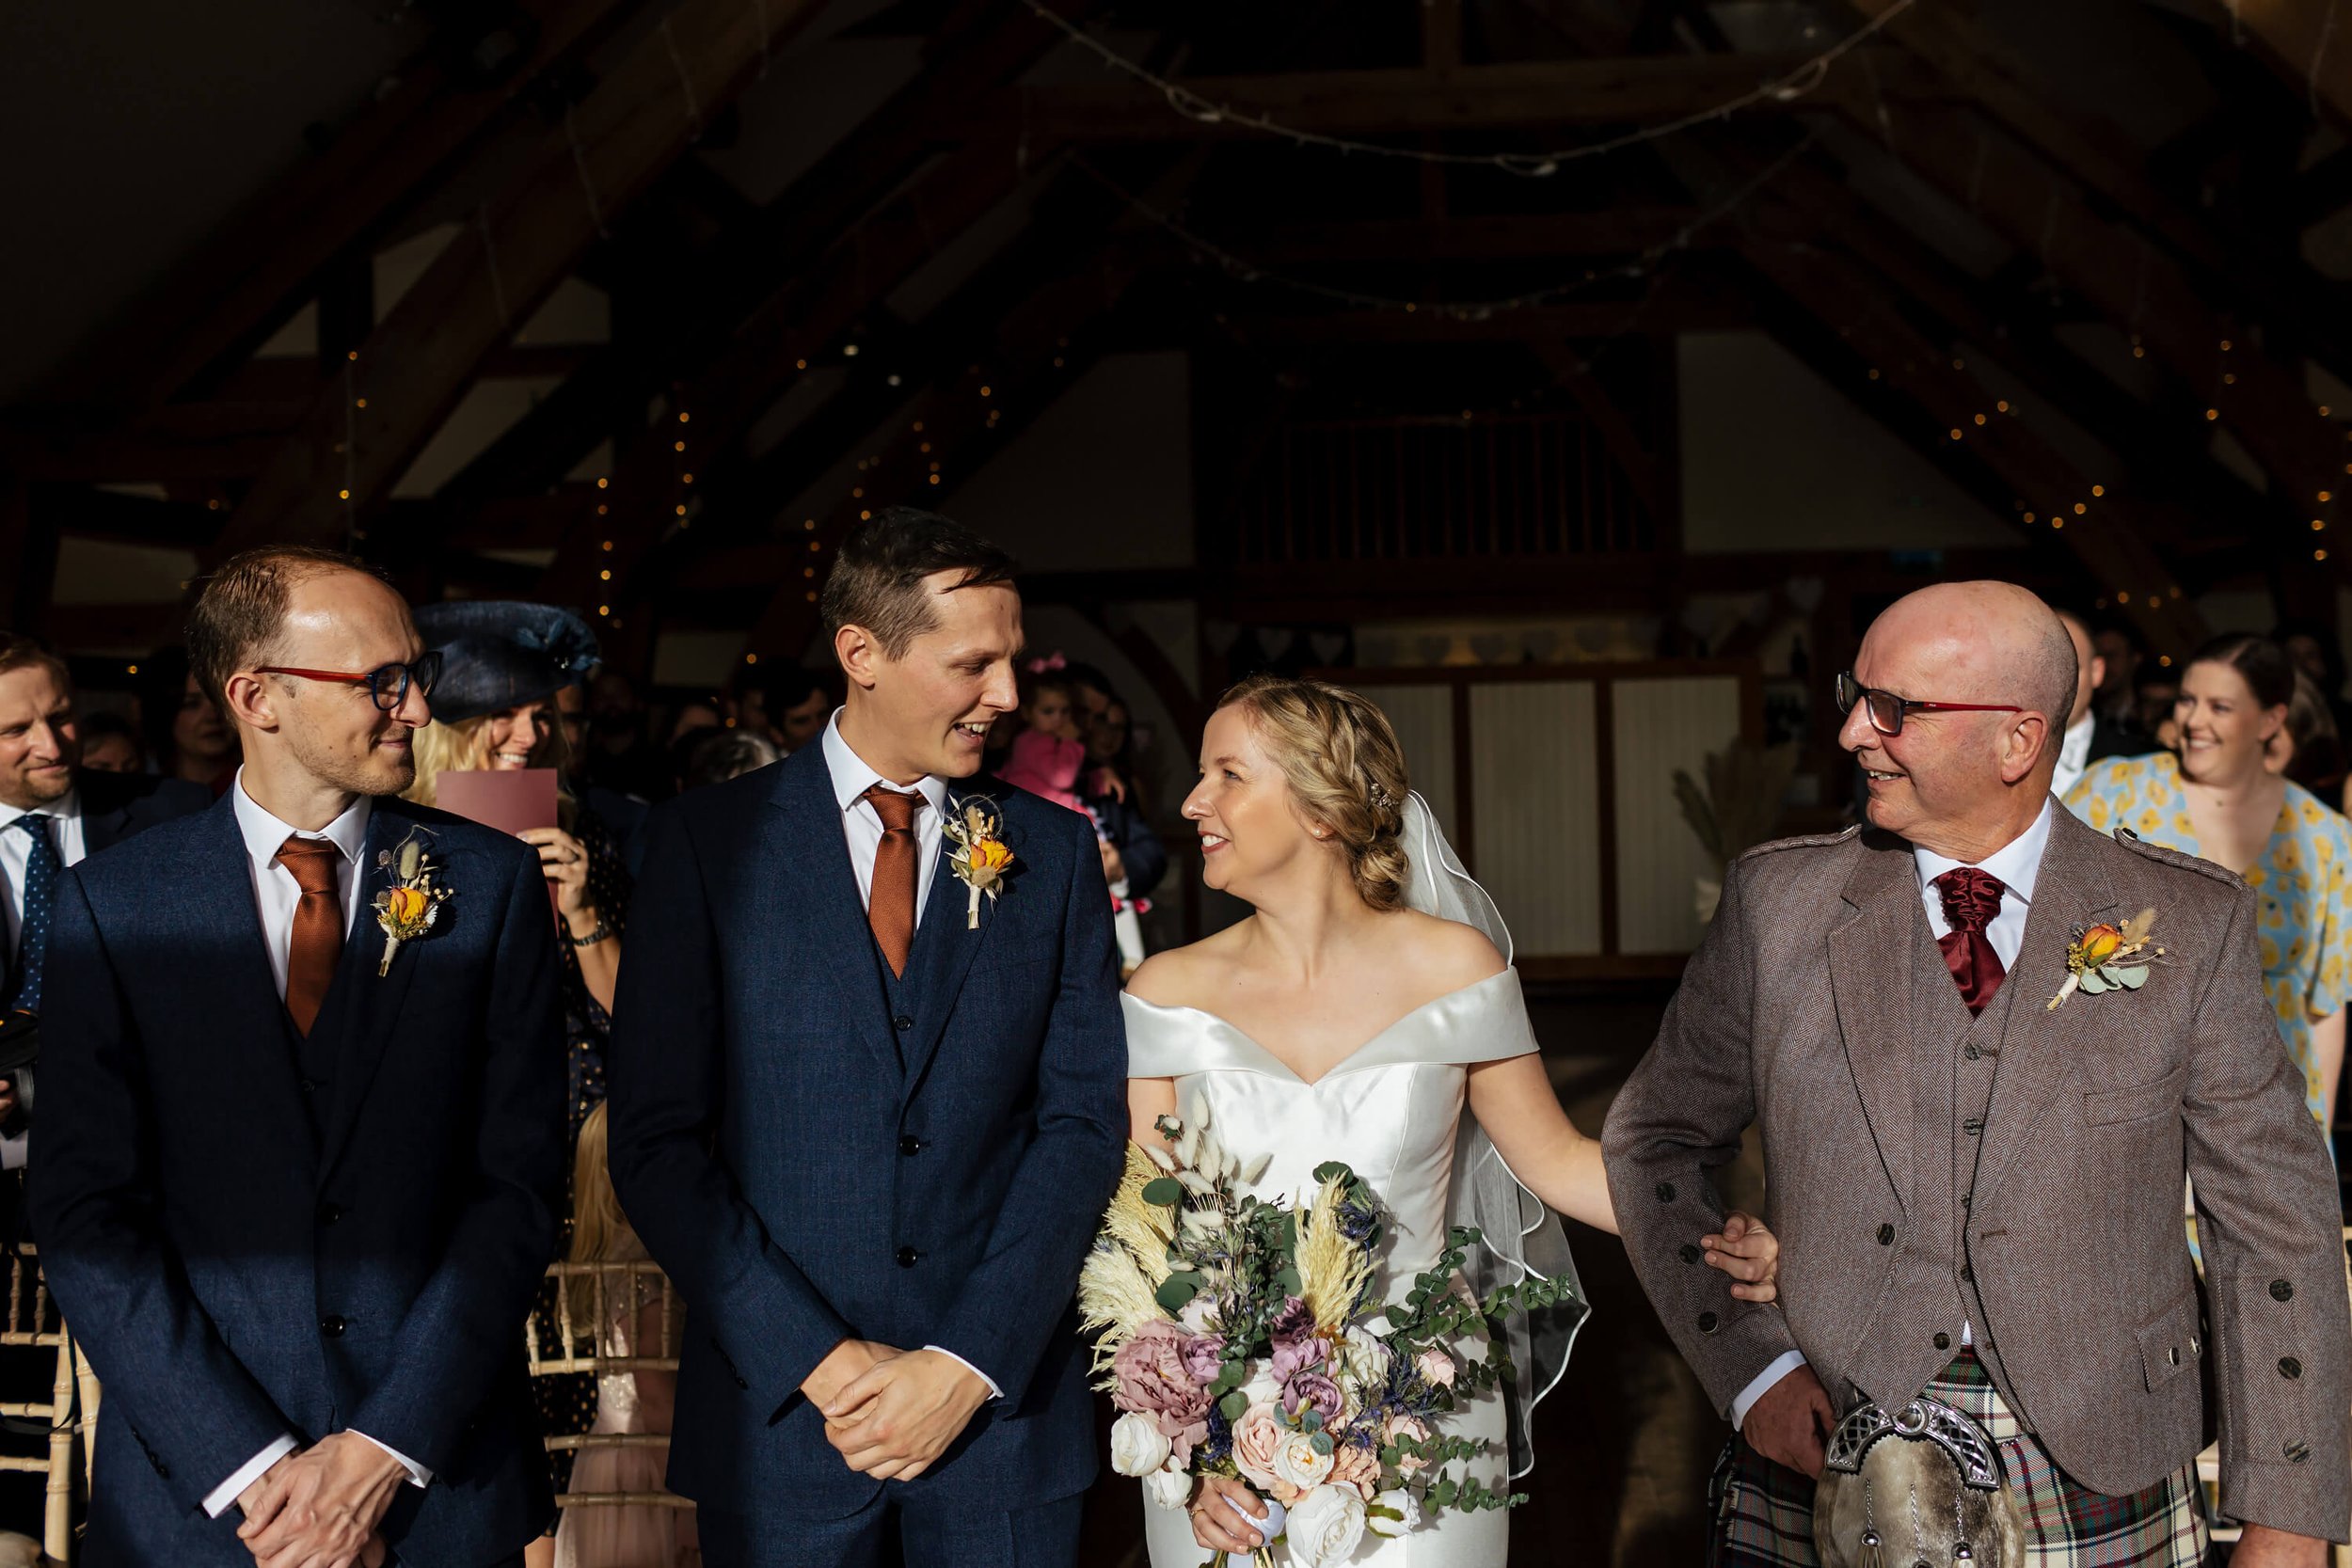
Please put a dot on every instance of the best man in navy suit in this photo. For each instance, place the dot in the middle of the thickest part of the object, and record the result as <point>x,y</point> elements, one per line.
<point>293,1199</point>
<point>868,1132</point>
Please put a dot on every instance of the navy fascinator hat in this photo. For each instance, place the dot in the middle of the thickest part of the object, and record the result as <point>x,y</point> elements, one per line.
<point>498,654</point>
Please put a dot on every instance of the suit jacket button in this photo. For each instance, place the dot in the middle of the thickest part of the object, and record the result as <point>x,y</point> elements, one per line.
<point>908,1257</point>
<point>2297,1451</point>
<point>1886,1235</point>
<point>1665,1191</point>
<point>330,1212</point>
<point>1707,1322</point>
<point>1689,1254</point>
<point>310,1086</point>
<point>1971,1053</point>
<point>332,1325</point>
<point>903,1022</point>
<point>2289,1368</point>
<point>2281,1291</point>
<point>1942,1342</point>
<point>910,1145</point>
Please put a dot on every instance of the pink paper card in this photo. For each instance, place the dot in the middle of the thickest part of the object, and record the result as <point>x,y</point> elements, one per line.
<point>509,801</point>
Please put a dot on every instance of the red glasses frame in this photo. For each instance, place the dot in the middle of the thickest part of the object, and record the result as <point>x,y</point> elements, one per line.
<point>424,671</point>
<point>1850,691</point>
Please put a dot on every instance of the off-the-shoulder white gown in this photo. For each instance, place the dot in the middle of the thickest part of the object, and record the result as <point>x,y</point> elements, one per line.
<point>1393,1111</point>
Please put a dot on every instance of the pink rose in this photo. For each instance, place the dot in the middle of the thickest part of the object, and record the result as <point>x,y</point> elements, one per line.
<point>1405,1428</point>
<point>1153,1380</point>
<point>1435,1367</point>
<point>1358,1467</point>
<point>1204,1357</point>
<point>1256,1437</point>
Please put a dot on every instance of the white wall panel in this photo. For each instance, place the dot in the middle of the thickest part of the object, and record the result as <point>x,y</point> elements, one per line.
<point>1661,725</point>
<point>1423,716</point>
<point>1537,811</point>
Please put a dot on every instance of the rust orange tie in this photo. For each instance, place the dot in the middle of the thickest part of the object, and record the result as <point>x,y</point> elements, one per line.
<point>890,906</point>
<point>318,927</point>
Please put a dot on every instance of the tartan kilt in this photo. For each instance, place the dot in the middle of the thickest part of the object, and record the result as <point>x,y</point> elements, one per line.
<point>1763,1513</point>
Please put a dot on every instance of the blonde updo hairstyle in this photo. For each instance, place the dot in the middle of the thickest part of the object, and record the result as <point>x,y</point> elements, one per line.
<point>1344,765</point>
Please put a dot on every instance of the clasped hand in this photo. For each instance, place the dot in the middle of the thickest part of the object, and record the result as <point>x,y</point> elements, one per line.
<point>892,1413</point>
<point>319,1508</point>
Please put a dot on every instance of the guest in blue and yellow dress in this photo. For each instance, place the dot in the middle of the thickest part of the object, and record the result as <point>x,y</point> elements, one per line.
<point>2217,801</point>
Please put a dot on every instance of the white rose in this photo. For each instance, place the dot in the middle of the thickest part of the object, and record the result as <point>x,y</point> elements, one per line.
<point>1325,1526</point>
<point>1399,1502</point>
<point>1262,1388</point>
<point>1363,1360</point>
<point>1138,1445</point>
<point>1170,1488</point>
<point>1297,1463</point>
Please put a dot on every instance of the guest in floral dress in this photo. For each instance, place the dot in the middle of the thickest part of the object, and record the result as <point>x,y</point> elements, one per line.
<point>2215,800</point>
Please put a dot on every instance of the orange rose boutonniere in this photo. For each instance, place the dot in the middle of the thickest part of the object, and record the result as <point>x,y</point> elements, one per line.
<point>2105,957</point>
<point>407,908</point>
<point>980,859</point>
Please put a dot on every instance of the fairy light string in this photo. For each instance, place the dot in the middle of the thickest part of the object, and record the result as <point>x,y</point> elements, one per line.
<point>1785,88</point>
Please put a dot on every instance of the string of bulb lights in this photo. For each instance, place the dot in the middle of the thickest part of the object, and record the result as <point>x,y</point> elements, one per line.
<point>1784,88</point>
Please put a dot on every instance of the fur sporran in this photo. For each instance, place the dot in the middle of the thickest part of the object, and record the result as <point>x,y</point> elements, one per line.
<point>1918,1488</point>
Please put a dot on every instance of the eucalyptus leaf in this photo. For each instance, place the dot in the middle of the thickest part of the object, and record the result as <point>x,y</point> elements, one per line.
<point>1165,1192</point>
<point>1234,1405</point>
<point>2130,979</point>
<point>1177,1290</point>
<point>2094,982</point>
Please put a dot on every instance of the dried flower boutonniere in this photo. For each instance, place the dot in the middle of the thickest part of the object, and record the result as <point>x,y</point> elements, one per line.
<point>2105,957</point>
<point>407,908</point>
<point>980,858</point>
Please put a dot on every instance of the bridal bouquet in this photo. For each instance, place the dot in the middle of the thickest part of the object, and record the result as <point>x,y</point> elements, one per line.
<point>1237,1338</point>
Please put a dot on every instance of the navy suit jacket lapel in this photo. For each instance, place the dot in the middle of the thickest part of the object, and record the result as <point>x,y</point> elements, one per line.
<point>244,1011</point>
<point>805,833</point>
<point>362,1006</point>
<point>944,947</point>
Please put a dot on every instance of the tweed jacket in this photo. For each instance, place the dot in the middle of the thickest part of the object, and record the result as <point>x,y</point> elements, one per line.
<point>1796,1014</point>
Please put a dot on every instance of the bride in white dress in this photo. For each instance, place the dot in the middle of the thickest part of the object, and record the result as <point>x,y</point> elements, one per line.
<point>1366,1011</point>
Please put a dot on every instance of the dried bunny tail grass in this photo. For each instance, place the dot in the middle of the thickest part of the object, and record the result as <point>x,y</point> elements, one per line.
<point>1116,1297</point>
<point>1145,1229</point>
<point>1331,1269</point>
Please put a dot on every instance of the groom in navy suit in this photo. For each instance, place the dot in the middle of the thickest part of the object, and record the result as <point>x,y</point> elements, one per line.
<point>867,1117</point>
<point>294,1199</point>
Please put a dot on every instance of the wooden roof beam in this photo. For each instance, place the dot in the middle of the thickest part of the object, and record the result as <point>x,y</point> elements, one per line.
<point>1631,90</point>
<point>2304,42</point>
<point>2108,264</point>
<point>418,362</point>
<point>1042,350</point>
<point>848,280</point>
<point>257,265</point>
<point>2106,538</point>
<point>703,298</point>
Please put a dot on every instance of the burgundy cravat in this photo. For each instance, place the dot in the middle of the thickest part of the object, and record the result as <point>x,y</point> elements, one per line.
<point>1971,900</point>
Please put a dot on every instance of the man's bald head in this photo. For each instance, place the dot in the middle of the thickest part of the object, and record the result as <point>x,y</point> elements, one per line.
<point>1964,783</point>
<point>2002,642</point>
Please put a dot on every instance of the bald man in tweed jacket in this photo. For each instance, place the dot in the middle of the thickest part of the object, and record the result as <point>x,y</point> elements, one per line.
<point>1979,1196</point>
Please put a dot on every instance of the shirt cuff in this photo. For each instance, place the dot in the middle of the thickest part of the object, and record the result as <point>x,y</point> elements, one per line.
<point>228,1491</point>
<point>994,1392</point>
<point>1786,1362</point>
<point>12,1149</point>
<point>417,1474</point>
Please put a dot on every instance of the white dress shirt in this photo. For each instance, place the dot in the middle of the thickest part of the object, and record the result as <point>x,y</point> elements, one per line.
<point>2014,866</point>
<point>274,895</point>
<point>863,826</point>
<point>16,853</point>
<point>2073,755</point>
